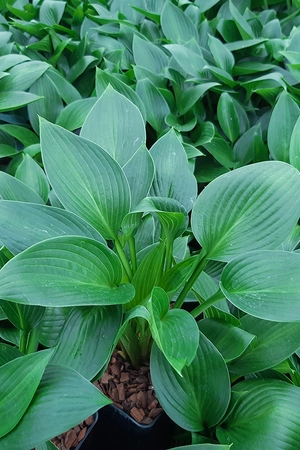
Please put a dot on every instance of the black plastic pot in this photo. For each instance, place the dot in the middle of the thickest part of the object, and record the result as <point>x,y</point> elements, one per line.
<point>113,430</point>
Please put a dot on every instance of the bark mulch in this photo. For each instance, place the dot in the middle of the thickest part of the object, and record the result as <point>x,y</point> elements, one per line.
<point>130,389</point>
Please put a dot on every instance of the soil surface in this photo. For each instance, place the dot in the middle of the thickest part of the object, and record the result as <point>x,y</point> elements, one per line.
<point>130,389</point>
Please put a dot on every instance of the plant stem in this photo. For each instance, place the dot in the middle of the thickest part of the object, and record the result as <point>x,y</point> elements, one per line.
<point>132,250</point>
<point>266,6</point>
<point>199,266</point>
<point>130,343</point>
<point>207,303</point>
<point>33,342</point>
<point>23,341</point>
<point>123,259</point>
<point>169,255</point>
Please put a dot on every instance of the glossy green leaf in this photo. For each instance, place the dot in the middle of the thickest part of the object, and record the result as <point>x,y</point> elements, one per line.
<point>170,159</point>
<point>86,179</point>
<point>49,106</point>
<point>228,117</point>
<point>69,397</point>
<point>23,317</point>
<point>148,55</point>
<point>33,175</point>
<point>8,61</point>
<point>115,124</point>
<point>74,114</point>
<point>16,99</point>
<point>86,340</point>
<point>205,6</point>
<point>231,341</point>
<point>64,89</point>
<point>139,171</point>
<point>156,106</point>
<point>192,94</point>
<point>22,76</point>
<point>282,122</point>
<point>265,415</point>
<point>13,189</point>
<point>174,330</point>
<point>51,324</point>
<point>47,446</point>
<point>221,151</point>
<point>22,134</point>
<point>295,145</point>
<point>23,224</point>
<point>241,23</point>
<point>264,284</point>
<point>25,372</point>
<point>199,398</point>
<point>222,56</point>
<point>191,62</point>
<point>103,79</point>
<point>51,12</point>
<point>254,207</point>
<point>65,271</point>
<point>274,343</point>
<point>8,353</point>
<point>176,26</point>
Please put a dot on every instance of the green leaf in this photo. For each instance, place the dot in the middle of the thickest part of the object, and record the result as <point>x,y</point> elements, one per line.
<point>148,55</point>
<point>65,271</point>
<point>254,207</point>
<point>274,343</point>
<point>8,353</point>
<point>23,317</point>
<point>51,324</point>
<point>295,145</point>
<point>264,284</point>
<point>199,398</point>
<point>176,26</point>
<point>19,381</point>
<point>64,89</point>
<point>241,23</point>
<point>77,347</point>
<point>192,94</point>
<point>16,99</point>
<point>49,107</point>
<point>230,340</point>
<point>74,114</point>
<point>222,56</point>
<point>170,159</point>
<point>203,7</point>
<point>25,224</point>
<point>221,151</point>
<point>51,12</point>
<point>22,76</point>
<point>86,179</point>
<point>8,61</point>
<point>191,62</point>
<point>156,105</point>
<point>265,415</point>
<point>103,79</point>
<point>13,189</point>
<point>48,446</point>
<point>228,117</point>
<point>33,175</point>
<point>115,124</point>
<point>24,135</point>
<point>174,331</point>
<point>69,397</point>
<point>139,171</point>
<point>282,123</point>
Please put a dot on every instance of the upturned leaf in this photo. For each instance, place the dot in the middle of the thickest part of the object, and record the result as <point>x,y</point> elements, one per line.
<point>86,179</point>
<point>282,122</point>
<point>170,159</point>
<point>199,398</point>
<point>174,330</point>
<point>65,271</point>
<point>25,373</point>
<point>254,207</point>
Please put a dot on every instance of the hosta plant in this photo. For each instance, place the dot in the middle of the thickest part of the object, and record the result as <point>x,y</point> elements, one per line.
<point>114,257</point>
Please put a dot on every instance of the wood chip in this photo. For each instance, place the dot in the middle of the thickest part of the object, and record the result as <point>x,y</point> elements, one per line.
<point>70,438</point>
<point>115,370</point>
<point>81,434</point>
<point>121,391</point>
<point>137,414</point>
<point>155,412</point>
